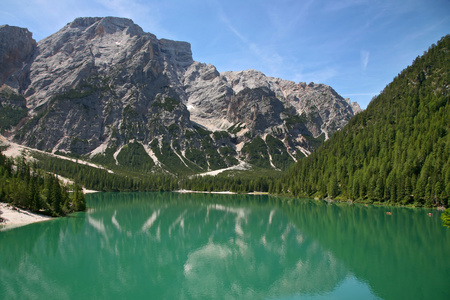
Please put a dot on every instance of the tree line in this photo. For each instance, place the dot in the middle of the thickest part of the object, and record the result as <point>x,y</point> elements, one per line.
<point>122,180</point>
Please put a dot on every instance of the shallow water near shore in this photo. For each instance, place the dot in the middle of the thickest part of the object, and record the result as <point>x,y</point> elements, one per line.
<point>204,246</point>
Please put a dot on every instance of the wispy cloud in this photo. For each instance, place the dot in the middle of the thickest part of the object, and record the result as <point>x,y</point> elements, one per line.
<point>285,17</point>
<point>270,58</point>
<point>334,6</point>
<point>364,59</point>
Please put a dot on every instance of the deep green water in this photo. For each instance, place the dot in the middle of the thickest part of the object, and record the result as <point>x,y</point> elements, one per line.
<point>202,246</point>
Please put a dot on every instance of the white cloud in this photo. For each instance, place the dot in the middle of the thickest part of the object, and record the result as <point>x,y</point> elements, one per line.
<point>364,59</point>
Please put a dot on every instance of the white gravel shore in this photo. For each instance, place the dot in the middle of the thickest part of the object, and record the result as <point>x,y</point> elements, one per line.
<point>12,217</point>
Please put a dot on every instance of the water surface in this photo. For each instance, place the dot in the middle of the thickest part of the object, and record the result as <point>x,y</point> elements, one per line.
<point>202,246</point>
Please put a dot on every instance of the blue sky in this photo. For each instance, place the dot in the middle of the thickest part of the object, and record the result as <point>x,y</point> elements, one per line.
<point>355,46</point>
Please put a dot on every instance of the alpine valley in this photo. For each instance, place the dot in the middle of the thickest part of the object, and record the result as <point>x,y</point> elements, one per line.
<point>105,91</point>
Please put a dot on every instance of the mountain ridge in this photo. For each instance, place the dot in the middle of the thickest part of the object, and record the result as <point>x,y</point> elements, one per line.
<point>99,84</point>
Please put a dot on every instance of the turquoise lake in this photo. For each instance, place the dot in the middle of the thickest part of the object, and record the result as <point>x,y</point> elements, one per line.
<point>209,246</point>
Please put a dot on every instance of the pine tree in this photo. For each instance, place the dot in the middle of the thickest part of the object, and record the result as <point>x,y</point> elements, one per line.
<point>78,199</point>
<point>397,150</point>
<point>445,217</point>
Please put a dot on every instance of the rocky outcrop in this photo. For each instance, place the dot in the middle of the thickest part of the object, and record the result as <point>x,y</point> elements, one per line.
<point>101,83</point>
<point>17,47</point>
<point>325,110</point>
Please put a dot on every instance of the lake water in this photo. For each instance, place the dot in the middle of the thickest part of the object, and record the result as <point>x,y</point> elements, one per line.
<point>203,246</point>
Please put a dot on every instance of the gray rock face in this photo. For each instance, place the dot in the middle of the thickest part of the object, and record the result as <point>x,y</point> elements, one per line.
<point>17,46</point>
<point>264,104</point>
<point>101,83</point>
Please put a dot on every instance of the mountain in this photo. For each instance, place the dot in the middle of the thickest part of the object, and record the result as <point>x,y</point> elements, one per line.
<point>397,151</point>
<point>105,90</point>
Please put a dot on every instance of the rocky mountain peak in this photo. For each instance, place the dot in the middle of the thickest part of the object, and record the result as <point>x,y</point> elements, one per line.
<point>90,46</point>
<point>107,25</point>
<point>99,84</point>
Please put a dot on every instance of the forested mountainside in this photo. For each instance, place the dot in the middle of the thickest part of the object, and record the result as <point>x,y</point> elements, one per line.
<point>26,186</point>
<point>104,90</point>
<point>396,151</point>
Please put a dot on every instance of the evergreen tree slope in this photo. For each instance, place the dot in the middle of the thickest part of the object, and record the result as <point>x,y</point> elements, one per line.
<point>25,185</point>
<point>396,151</point>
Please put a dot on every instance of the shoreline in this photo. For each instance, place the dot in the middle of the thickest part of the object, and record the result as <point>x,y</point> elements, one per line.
<point>13,217</point>
<point>182,191</point>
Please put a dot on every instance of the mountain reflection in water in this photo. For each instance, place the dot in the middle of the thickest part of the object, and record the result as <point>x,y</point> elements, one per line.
<point>221,248</point>
<point>191,246</point>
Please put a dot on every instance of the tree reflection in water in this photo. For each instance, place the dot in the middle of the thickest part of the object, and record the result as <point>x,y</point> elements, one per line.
<point>170,245</point>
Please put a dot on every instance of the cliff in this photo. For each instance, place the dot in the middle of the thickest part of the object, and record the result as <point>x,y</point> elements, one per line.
<point>100,84</point>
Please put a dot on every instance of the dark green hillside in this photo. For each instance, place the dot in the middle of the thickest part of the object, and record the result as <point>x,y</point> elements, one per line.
<point>397,151</point>
<point>13,108</point>
<point>25,185</point>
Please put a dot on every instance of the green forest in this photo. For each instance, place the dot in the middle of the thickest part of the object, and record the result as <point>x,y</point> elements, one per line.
<point>396,152</point>
<point>24,185</point>
<point>124,180</point>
